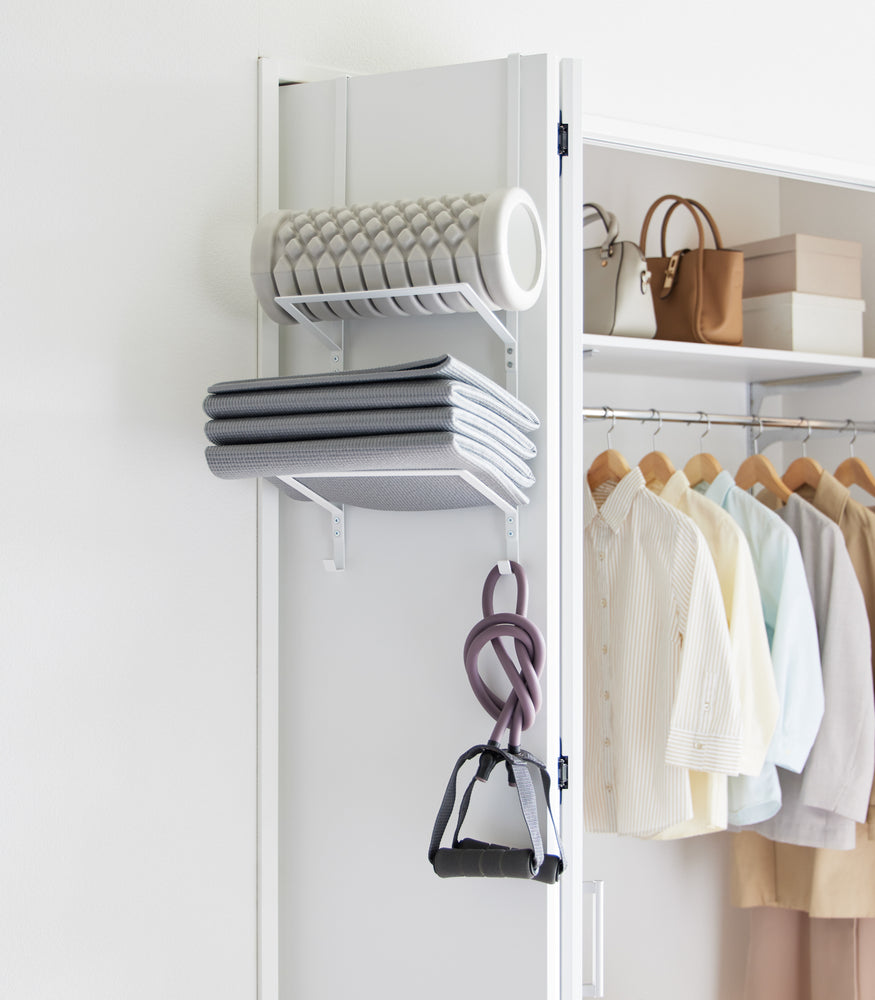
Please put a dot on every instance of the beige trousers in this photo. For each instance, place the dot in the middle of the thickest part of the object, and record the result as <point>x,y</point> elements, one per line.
<point>792,956</point>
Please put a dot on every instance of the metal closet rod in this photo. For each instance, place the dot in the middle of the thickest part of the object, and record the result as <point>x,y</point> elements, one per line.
<point>731,419</point>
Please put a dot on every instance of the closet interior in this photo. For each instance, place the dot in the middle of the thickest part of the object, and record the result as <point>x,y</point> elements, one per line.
<point>672,899</point>
<point>363,697</point>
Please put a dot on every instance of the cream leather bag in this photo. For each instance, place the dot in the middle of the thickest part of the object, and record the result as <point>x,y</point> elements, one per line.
<point>616,283</point>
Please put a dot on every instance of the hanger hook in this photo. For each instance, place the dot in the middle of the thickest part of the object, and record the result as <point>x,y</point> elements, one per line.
<point>655,415</point>
<point>852,423</point>
<point>805,439</point>
<point>756,437</point>
<point>704,416</point>
<point>608,410</point>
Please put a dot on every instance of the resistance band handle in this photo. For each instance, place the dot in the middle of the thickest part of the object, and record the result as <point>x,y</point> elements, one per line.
<point>484,861</point>
<point>476,859</point>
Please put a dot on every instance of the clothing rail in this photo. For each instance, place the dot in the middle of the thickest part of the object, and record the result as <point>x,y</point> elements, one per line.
<point>763,430</point>
<point>737,420</point>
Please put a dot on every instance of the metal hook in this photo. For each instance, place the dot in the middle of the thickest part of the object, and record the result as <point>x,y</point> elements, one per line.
<point>805,440</point>
<point>702,437</point>
<point>655,415</point>
<point>756,439</point>
<point>607,410</point>
<point>852,423</point>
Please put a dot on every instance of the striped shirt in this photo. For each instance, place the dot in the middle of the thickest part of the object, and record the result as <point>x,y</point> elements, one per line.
<point>661,695</point>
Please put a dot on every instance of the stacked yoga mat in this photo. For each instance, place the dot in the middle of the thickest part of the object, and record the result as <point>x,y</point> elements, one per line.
<point>419,417</point>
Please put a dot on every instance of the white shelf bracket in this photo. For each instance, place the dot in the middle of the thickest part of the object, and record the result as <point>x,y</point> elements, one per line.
<point>758,392</point>
<point>338,521</point>
<point>291,303</point>
<point>332,335</point>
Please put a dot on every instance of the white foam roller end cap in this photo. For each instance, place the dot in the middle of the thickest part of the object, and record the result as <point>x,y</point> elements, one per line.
<point>510,247</point>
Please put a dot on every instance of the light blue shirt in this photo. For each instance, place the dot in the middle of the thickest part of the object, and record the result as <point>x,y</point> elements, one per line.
<point>793,642</point>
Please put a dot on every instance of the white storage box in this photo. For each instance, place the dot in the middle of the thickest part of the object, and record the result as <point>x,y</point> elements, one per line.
<point>799,263</point>
<point>795,321</point>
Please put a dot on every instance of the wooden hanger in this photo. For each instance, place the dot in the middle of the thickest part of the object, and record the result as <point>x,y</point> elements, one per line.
<point>702,468</point>
<point>610,465</point>
<point>759,469</point>
<point>656,466</point>
<point>854,471</point>
<point>803,471</point>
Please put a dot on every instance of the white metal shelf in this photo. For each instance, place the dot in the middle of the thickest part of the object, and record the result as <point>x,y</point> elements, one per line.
<point>325,331</point>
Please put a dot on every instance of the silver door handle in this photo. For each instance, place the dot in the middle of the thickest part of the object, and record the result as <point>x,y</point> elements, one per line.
<point>596,988</point>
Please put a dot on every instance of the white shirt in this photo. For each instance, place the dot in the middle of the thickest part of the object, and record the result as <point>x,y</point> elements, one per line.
<point>661,696</point>
<point>749,645</point>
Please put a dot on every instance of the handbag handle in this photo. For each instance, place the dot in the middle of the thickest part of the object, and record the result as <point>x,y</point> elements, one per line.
<point>673,264</point>
<point>609,221</point>
<point>715,232</point>
<point>677,200</point>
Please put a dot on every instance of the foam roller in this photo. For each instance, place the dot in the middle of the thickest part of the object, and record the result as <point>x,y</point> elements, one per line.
<point>493,242</point>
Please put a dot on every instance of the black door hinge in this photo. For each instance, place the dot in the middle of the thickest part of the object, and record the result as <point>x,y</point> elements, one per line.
<point>562,147</point>
<point>563,773</point>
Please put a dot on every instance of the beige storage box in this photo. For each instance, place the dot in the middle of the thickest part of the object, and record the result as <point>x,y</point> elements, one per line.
<point>799,263</point>
<point>795,321</point>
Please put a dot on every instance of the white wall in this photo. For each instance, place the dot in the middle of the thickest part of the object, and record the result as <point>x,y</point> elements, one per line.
<point>127,714</point>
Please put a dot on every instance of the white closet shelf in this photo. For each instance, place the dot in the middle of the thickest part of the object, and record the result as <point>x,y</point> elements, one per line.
<point>711,362</point>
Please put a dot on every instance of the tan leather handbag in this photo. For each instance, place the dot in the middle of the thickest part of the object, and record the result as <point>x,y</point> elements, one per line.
<point>696,293</point>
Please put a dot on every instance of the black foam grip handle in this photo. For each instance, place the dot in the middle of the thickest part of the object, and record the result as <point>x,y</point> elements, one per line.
<point>484,861</point>
<point>550,869</point>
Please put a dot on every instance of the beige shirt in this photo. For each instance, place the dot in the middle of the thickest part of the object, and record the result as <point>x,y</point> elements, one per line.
<point>749,652</point>
<point>820,881</point>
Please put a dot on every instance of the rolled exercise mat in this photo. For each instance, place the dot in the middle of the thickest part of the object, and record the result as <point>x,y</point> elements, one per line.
<point>494,242</point>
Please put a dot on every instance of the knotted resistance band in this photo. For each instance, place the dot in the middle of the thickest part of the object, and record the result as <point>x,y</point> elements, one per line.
<point>476,858</point>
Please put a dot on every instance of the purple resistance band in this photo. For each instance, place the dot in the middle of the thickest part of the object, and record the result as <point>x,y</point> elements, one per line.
<point>518,711</point>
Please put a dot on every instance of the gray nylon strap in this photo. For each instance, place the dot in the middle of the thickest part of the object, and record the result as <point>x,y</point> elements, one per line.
<point>474,858</point>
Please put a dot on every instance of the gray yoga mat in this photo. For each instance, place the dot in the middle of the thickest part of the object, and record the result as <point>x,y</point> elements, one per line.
<point>247,397</point>
<point>424,451</point>
<point>479,423</point>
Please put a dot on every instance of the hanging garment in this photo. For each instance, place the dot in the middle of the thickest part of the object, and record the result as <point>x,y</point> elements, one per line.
<point>790,625</point>
<point>749,645</point>
<point>792,956</point>
<point>660,693</point>
<point>819,881</point>
<point>821,805</point>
